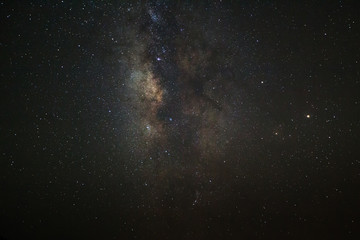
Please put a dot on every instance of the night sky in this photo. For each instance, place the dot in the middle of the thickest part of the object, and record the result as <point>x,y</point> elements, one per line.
<point>179,120</point>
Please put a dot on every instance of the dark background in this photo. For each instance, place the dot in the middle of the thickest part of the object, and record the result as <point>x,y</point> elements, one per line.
<point>74,164</point>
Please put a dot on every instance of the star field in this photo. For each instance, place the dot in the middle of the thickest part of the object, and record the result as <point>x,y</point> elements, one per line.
<point>179,120</point>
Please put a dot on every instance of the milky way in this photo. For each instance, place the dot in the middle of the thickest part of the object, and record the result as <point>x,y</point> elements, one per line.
<point>182,100</point>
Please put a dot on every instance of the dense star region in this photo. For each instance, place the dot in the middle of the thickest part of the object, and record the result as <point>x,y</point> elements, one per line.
<point>180,96</point>
<point>179,120</point>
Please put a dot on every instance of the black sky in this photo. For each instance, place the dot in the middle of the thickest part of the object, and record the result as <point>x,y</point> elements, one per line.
<point>179,120</point>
